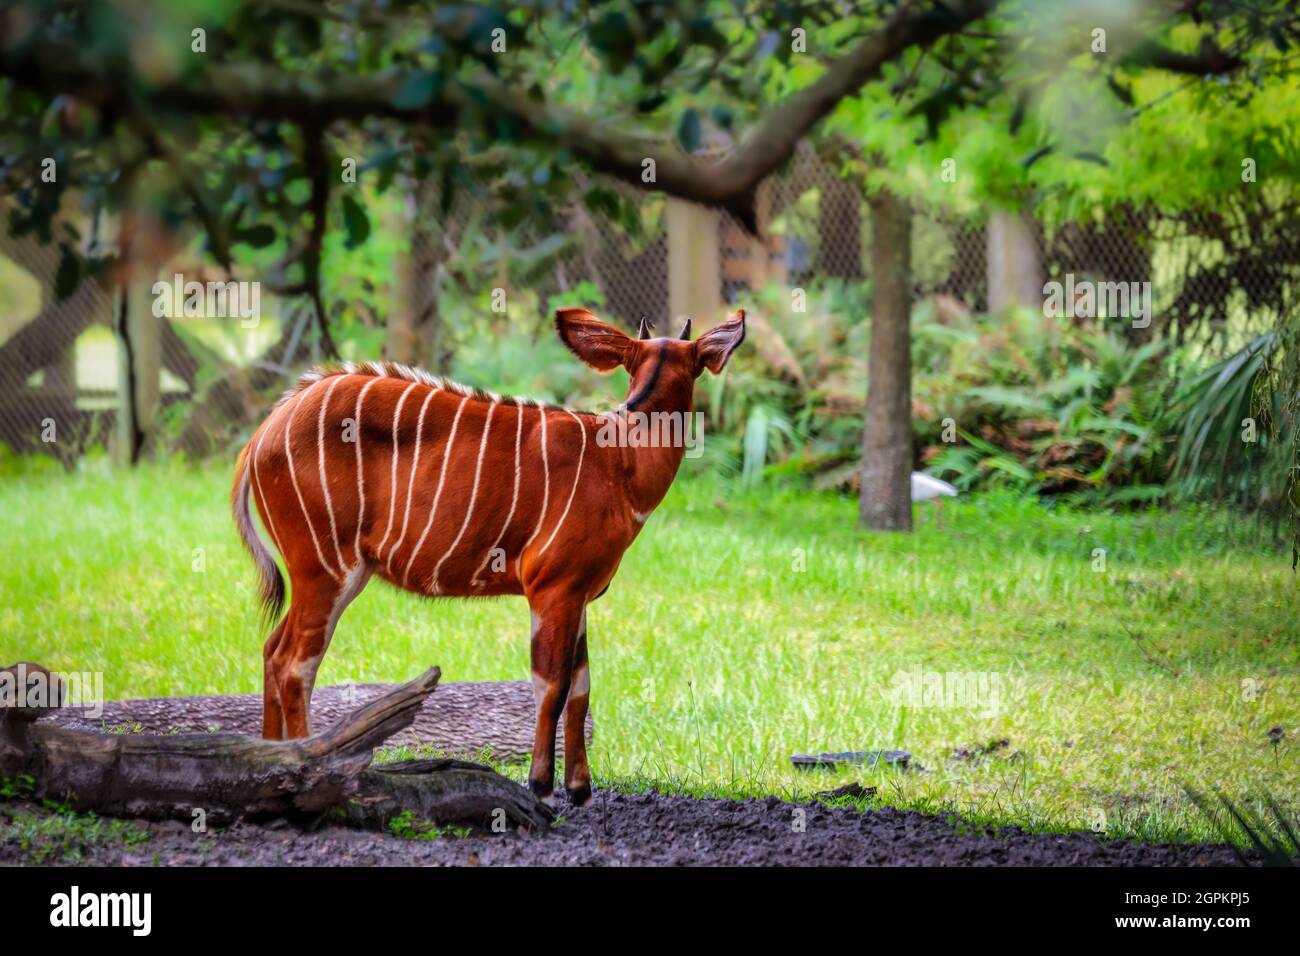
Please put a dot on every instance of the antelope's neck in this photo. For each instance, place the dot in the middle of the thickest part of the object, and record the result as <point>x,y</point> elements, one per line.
<point>649,469</point>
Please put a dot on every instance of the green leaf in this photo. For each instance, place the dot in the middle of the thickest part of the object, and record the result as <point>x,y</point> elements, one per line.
<point>419,90</point>
<point>703,31</point>
<point>688,131</point>
<point>1123,93</point>
<point>613,37</point>
<point>259,236</point>
<point>356,222</point>
<point>652,102</point>
<point>1036,155</point>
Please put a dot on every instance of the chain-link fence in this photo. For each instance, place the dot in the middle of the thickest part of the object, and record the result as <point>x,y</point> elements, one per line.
<point>62,363</point>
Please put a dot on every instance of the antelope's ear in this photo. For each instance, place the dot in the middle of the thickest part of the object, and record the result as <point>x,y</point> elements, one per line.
<point>601,346</point>
<point>714,347</point>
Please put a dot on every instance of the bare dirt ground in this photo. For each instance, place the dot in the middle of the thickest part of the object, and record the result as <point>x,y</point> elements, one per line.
<point>618,829</point>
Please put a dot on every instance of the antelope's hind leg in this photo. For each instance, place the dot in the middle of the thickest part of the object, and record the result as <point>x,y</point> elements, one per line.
<point>272,713</point>
<point>557,618</point>
<point>318,602</point>
<point>577,775</point>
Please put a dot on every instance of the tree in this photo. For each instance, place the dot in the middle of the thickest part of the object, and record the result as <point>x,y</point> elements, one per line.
<point>1066,141</point>
<point>885,502</point>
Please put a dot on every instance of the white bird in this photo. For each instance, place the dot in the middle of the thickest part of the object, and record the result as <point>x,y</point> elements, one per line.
<point>928,488</point>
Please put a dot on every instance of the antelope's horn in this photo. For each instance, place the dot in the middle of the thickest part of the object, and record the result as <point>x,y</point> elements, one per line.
<point>644,331</point>
<point>686,331</point>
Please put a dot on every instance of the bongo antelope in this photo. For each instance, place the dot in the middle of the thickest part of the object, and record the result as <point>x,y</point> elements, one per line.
<point>379,469</point>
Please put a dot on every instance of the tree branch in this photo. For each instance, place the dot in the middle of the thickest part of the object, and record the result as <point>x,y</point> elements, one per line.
<point>255,90</point>
<point>1210,60</point>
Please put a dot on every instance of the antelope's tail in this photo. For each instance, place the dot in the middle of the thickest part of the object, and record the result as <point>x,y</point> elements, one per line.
<point>268,572</point>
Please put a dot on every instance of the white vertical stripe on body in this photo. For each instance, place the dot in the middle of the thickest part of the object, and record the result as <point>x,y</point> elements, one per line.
<point>572,491</point>
<point>293,477</point>
<point>514,498</point>
<point>410,482</point>
<point>546,496</point>
<point>433,508</point>
<point>324,480</point>
<point>478,471</point>
<point>361,477</point>
<point>270,522</point>
<point>392,497</point>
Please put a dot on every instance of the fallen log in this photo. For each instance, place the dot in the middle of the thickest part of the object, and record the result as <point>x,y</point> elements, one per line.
<point>473,720</point>
<point>227,776</point>
<point>444,792</point>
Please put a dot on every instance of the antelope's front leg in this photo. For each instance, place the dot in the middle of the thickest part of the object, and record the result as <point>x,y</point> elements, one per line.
<point>577,775</point>
<point>556,621</point>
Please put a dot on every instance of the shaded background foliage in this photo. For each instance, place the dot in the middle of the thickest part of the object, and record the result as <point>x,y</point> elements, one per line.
<point>492,154</point>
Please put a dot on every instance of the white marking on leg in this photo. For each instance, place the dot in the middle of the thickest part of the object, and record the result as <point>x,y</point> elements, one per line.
<point>433,508</point>
<point>293,477</point>
<point>581,681</point>
<point>572,491</point>
<point>361,477</point>
<point>324,480</point>
<point>546,494</point>
<point>305,671</point>
<point>410,482</point>
<point>478,471</point>
<point>540,683</point>
<point>580,685</point>
<point>514,498</point>
<point>640,516</point>
<point>540,688</point>
<point>392,497</point>
<point>353,584</point>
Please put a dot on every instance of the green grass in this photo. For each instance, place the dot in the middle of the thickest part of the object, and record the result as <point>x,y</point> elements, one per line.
<point>743,627</point>
<point>406,826</point>
<point>53,833</point>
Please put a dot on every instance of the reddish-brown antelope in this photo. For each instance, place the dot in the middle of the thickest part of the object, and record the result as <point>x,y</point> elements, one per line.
<point>447,490</point>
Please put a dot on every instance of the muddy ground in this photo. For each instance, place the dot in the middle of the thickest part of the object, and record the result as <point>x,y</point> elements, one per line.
<point>619,829</point>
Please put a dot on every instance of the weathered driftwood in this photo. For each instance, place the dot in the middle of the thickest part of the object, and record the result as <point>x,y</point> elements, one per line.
<point>442,791</point>
<point>228,775</point>
<point>462,719</point>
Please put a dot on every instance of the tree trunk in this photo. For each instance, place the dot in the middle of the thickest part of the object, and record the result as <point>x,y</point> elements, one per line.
<point>415,330</point>
<point>885,502</point>
<point>694,266</point>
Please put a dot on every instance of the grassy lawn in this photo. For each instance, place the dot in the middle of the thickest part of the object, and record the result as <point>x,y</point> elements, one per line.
<point>744,627</point>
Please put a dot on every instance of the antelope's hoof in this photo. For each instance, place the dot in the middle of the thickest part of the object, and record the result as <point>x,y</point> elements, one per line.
<point>543,791</point>
<point>579,794</point>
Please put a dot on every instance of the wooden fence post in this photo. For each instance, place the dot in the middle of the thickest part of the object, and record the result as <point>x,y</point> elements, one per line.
<point>139,341</point>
